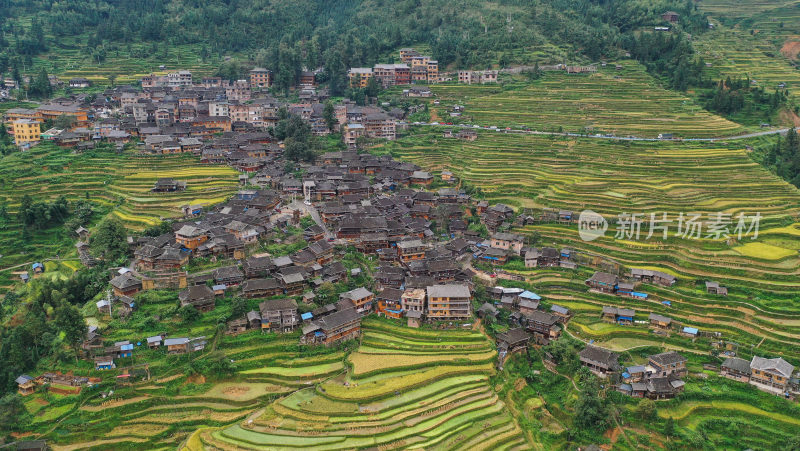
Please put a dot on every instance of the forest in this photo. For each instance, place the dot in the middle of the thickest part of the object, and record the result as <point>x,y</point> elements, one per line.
<point>287,36</point>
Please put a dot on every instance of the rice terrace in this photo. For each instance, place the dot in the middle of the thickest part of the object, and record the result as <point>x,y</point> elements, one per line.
<point>423,225</point>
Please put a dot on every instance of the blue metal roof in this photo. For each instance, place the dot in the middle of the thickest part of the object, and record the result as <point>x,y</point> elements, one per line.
<point>306,316</point>
<point>530,295</point>
<point>639,295</point>
<point>690,330</point>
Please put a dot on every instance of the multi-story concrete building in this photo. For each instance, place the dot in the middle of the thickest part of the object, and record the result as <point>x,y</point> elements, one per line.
<point>449,302</point>
<point>26,132</point>
<point>260,78</point>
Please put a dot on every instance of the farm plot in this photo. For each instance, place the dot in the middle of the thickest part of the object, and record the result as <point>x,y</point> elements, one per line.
<point>623,102</point>
<point>425,408</point>
<point>114,183</point>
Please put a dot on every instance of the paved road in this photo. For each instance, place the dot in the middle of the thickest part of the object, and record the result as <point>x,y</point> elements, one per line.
<point>599,136</point>
<point>312,211</point>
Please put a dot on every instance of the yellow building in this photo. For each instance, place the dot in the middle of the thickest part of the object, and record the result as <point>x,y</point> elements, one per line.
<point>26,131</point>
<point>359,76</point>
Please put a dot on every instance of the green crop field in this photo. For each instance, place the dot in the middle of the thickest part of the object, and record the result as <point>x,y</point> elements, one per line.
<point>623,102</point>
<point>430,406</point>
<point>114,183</point>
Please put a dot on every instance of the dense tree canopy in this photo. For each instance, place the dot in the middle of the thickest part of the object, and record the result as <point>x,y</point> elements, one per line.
<point>287,36</point>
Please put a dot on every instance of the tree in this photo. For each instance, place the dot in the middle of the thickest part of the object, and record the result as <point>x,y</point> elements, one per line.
<point>109,240</point>
<point>13,413</point>
<point>591,411</point>
<point>40,87</point>
<point>294,150</point>
<point>328,114</point>
<point>69,320</point>
<point>669,427</point>
<point>239,308</point>
<point>646,409</point>
<point>189,314</point>
<point>373,88</point>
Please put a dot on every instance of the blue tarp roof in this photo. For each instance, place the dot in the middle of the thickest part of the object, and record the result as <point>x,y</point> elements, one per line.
<point>530,295</point>
<point>37,265</point>
<point>625,375</point>
<point>629,318</point>
<point>690,330</point>
<point>306,316</point>
<point>666,302</point>
<point>639,295</point>
<point>126,347</point>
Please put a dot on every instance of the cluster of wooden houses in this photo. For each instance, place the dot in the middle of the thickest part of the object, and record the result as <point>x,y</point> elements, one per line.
<point>612,284</point>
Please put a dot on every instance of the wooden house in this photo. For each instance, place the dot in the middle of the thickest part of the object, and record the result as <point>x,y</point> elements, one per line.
<point>177,345</point>
<point>562,313</point>
<point>359,298</point>
<point>514,339</point>
<point>126,285</point>
<point>543,326</point>
<point>261,288</point>
<point>618,315</point>
<point>190,237</point>
<point>736,369</point>
<point>603,281</point>
<point>600,361</point>
<point>660,322</point>
<point>339,326</point>
<point>26,385</point>
<point>715,288</point>
<point>200,297</point>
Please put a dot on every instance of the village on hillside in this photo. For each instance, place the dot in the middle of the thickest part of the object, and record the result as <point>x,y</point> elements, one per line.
<point>425,238</point>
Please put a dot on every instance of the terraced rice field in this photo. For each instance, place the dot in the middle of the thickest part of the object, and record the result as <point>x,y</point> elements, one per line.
<point>160,413</point>
<point>612,178</point>
<point>623,102</point>
<point>735,53</point>
<point>67,60</point>
<point>414,403</point>
<point>775,20</point>
<point>115,183</point>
